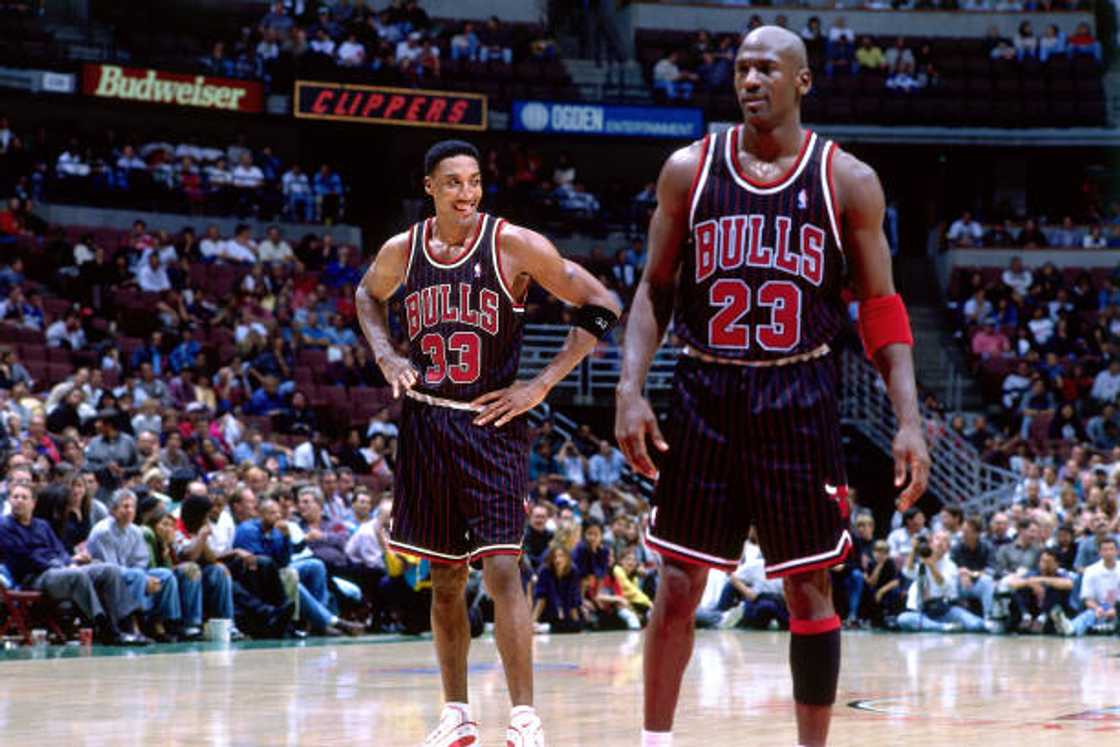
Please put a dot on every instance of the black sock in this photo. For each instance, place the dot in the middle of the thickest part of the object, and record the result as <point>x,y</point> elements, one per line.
<point>814,661</point>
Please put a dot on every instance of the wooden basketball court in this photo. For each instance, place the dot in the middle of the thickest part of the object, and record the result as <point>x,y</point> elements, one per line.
<point>383,692</point>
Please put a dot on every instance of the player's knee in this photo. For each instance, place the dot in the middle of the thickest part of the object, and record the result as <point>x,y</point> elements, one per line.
<point>448,583</point>
<point>682,586</point>
<point>502,574</point>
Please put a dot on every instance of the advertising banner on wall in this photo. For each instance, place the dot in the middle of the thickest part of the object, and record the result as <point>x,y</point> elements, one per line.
<point>172,89</point>
<point>37,80</point>
<point>411,107</point>
<point>573,118</point>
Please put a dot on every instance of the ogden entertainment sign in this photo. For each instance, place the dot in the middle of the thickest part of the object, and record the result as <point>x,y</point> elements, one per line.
<point>411,107</point>
<point>596,119</point>
<point>174,89</point>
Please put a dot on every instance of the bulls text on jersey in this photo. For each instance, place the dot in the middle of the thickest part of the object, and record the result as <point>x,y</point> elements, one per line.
<point>442,303</point>
<point>738,241</point>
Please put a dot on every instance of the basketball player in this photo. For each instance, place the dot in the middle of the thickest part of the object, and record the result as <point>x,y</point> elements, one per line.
<point>762,223</point>
<point>464,447</point>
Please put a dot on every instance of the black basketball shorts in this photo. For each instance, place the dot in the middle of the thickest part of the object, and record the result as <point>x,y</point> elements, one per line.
<point>753,446</point>
<point>460,489</point>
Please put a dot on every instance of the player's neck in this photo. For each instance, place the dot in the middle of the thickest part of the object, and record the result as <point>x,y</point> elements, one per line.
<point>451,230</point>
<point>783,140</point>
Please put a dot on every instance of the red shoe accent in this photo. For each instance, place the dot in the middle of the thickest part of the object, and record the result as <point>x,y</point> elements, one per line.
<point>465,742</point>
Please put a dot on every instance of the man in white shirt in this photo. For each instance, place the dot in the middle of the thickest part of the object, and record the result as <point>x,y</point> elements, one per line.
<point>151,277</point>
<point>930,601</point>
<point>247,175</point>
<point>129,160</point>
<point>351,53</point>
<point>1017,278</point>
<point>297,193</point>
<point>1100,593</point>
<point>605,468</point>
<point>901,540</point>
<point>758,600</point>
<point>67,330</point>
<point>839,30</point>
<point>211,245</point>
<point>964,231</point>
<point>1015,385</point>
<point>667,76</point>
<point>241,248</point>
<point>274,249</point>
<point>312,454</point>
<point>1106,385</point>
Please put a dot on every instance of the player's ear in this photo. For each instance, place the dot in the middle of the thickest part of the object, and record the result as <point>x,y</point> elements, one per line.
<point>804,81</point>
<point>428,185</point>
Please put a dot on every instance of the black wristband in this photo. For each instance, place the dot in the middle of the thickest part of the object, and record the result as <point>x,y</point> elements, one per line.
<point>598,320</point>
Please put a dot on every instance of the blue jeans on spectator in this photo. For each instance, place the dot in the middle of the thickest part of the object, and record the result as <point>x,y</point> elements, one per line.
<point>6,577</point>
<point>675,89</point>
<point>1085,622</point>
<point>302,207</point>
<point>314,597</point>
<point>912,621</point>
<point>505,54</point>
<point>855,583</point>
<point>983,589</point>
<point>206,594</point>
<point>164,604</point>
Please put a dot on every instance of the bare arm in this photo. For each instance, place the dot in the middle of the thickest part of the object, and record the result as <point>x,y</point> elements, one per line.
<point>653,308</point>
<point>529,256</point>
<point>380,282</point>
<point>862,207</point>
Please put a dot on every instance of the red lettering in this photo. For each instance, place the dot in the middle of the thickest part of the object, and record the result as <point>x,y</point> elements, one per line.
<point>374,101</point>
<point>429,299</point>
<point>413,112</point>
<point>731,242</point>
<point>435,111</point>
<point>412,311</point>
<point>322,102</point>
<point>759,255</point>
<point>783,260</point>
<point>450,313</point>
<point>355,104</point>
<point>340,105</point>
<point>488,303</point>
<point>396,103</point>
<point>812,253</point>
<point>705,240</point>
<point>466,313</point>
<point>458,111</point>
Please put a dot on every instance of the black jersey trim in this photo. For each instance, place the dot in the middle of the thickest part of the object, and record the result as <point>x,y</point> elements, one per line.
<point>767,188</point>
<point>480,229</point>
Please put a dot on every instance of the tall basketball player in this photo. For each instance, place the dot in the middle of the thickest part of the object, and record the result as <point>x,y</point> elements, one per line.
<point>762,224</point>
<point>464,447</point>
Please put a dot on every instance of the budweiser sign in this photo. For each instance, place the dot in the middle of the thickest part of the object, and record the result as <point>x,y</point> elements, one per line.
<point>175,89</point>
<point>412,107</point>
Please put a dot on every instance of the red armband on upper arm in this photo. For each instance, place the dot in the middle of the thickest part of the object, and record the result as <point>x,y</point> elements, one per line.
<point>882,321</point>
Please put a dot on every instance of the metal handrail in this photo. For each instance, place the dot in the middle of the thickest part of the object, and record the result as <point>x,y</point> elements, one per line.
<point>957,474</point>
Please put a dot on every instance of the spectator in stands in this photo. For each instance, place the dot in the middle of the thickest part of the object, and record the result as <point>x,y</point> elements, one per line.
<point>1068,235</point>
<point>1088,547</point>
<point>869,56</point>
<point>840,54</point>
<point>465,45</point>
<point>902,539</point>
<point>152,277</point>
<point>298,197</point>
<point>67,332</point>
<point>1037,402</point>
<point>328,191</point>
<point>558,594</point>
<point>118,541</point>
<point>1043,595</point>
<point>1026,43</point>
<point>497,42</point>
<point>897,56</point>
<point>905,79</point>
<point>276,20</point>
<point>989,342</point>
<point>351,53</point>
<point>671,80</point>
<point>1106,385</point>
<point>247,180</point>
<point>978,309</point>
<point>975,560</point>
<point>112,450</point>
<point>1094,239</point>
<point>1082,42</point>
<point>1032,237</point>
<point>814,40</point>
<point>605,468</point>
<point>931,602</point>
<point>1100,594</point>
<point>36,559</point>
<point>999,235</point>
<point>965,232</point>
<point>1053,42</point>
<point>312,454</point>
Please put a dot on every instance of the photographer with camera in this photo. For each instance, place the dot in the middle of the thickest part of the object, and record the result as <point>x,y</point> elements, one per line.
<point>931,600</point>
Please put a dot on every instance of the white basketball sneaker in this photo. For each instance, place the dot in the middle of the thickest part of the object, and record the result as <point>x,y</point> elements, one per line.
<point>455,729</point>
<point>525,728</point>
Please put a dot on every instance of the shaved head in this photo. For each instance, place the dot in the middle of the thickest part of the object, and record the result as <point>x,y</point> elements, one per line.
<point>783,42</point>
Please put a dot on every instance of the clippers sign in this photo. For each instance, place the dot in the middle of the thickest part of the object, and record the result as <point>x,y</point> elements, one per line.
<point>176,89</point>
<point>411,107</point>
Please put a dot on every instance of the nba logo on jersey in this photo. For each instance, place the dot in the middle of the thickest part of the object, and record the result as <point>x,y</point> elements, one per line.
<point>802,200</point>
